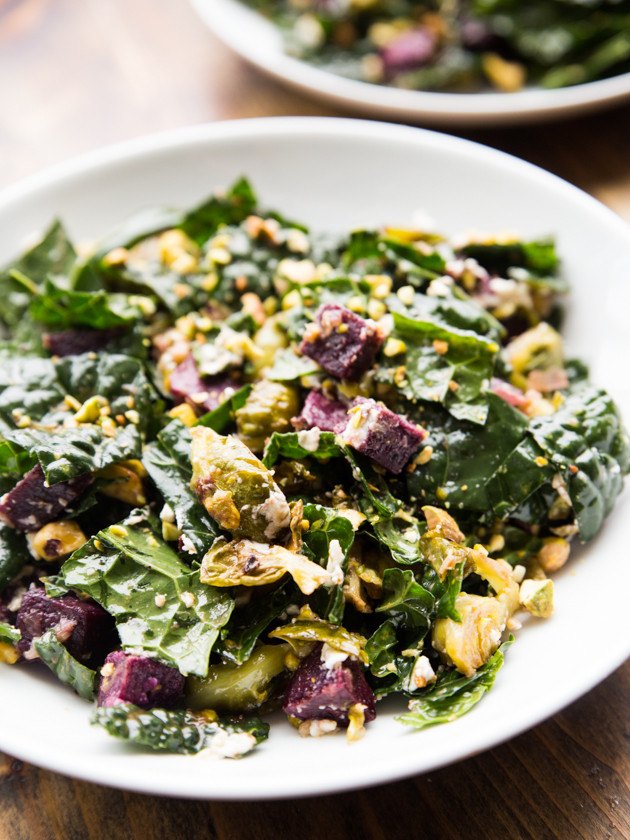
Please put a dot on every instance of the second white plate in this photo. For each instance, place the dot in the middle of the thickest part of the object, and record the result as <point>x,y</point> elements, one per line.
<point>259,42</point>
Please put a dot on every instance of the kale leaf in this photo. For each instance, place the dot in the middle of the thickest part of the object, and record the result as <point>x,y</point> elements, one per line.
<point>180,731</point>
<point>64,666</point>
<point>125,568</point>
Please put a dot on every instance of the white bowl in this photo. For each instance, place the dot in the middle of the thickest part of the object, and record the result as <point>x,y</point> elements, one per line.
<point>259,42</point>
<point>336,174</point>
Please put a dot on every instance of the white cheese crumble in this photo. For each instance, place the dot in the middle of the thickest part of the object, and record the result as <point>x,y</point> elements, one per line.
<point>188,598</point>
<point>331,657</point>
<point>421,675</point>
<point>228,745</point>
<point>276,512</point>
<point>160,600</point>
<point>187,544</point>
<point>316,728</point>
<point>334,566</point>
<point>309,439</point>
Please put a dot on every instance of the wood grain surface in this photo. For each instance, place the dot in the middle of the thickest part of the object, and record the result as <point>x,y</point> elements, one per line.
<point>79,74</point>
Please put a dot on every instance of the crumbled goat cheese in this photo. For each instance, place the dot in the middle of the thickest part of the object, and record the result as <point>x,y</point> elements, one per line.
<point>309,439</point>
<point>228,745</point>
<point>276,512</point>
<point>188,598</point>
<point>316,728</point>
<point>331,657</point>
<point>334,566</point>
<point>188,545</point>
<point>421,675</point>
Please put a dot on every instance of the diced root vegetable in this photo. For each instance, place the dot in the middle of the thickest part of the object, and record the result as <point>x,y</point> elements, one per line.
<point>317,692</point>
<point>86,630</point>
<point>32,504</point>
<point>342,342</point>
<point>202,395</point>
<point>326,414</point>
<point>75,342</point>
<point>145,682</point>
<point>382,435</point>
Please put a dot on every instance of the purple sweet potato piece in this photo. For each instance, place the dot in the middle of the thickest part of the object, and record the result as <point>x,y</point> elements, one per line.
<point>316,692</point>
<point>74,342</point>
<point>31,504</point>
<point>327,414</point>
<point>87,630</point>
<point>203,395</point>
<point>144,682</point>
<point>342,342</point>
<point>408,51</point>
<point>385,437</point>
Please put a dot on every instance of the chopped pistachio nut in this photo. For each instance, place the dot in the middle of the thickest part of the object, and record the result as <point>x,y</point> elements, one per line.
<point>554,554</point>
<point>537,597</point>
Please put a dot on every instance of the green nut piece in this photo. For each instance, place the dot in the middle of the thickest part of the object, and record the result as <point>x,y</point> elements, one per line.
<point>269,408</point>
<point>537,597</point>
<point>236,489</point>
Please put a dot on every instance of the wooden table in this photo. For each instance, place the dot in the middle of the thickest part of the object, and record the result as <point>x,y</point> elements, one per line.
<point>75,75</point>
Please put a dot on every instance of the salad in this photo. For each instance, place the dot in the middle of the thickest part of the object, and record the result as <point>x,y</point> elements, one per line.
<point>466,46</point>
<point>247,468</point>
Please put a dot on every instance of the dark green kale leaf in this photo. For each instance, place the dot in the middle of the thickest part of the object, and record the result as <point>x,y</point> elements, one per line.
<point>180,731</point>
<point>288,366</point>
<point>247,623</point>
<point>67,453</point>
<point>494,467</point>
<point>61,308</point>
<point>588,445</point>
<point>29,387</point>
<point>124,568</point>
<point>36,388</point>
<point>288,445</point>
<point>8,633</point>
<point>449,366</point>
<point>119,378</point>
<point>538,257</point>
<point>372,252</point>
<point>14,554</point>
<point>453,694</point>
<point>325,526</point>
<point>173,481</point>
<point>392,651</point>
<point>404,597</point>
<point>65,667</point>
<point>238,202</point>
<point>455,309</point>
<point>53,256</point>
<point>223,415</point>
